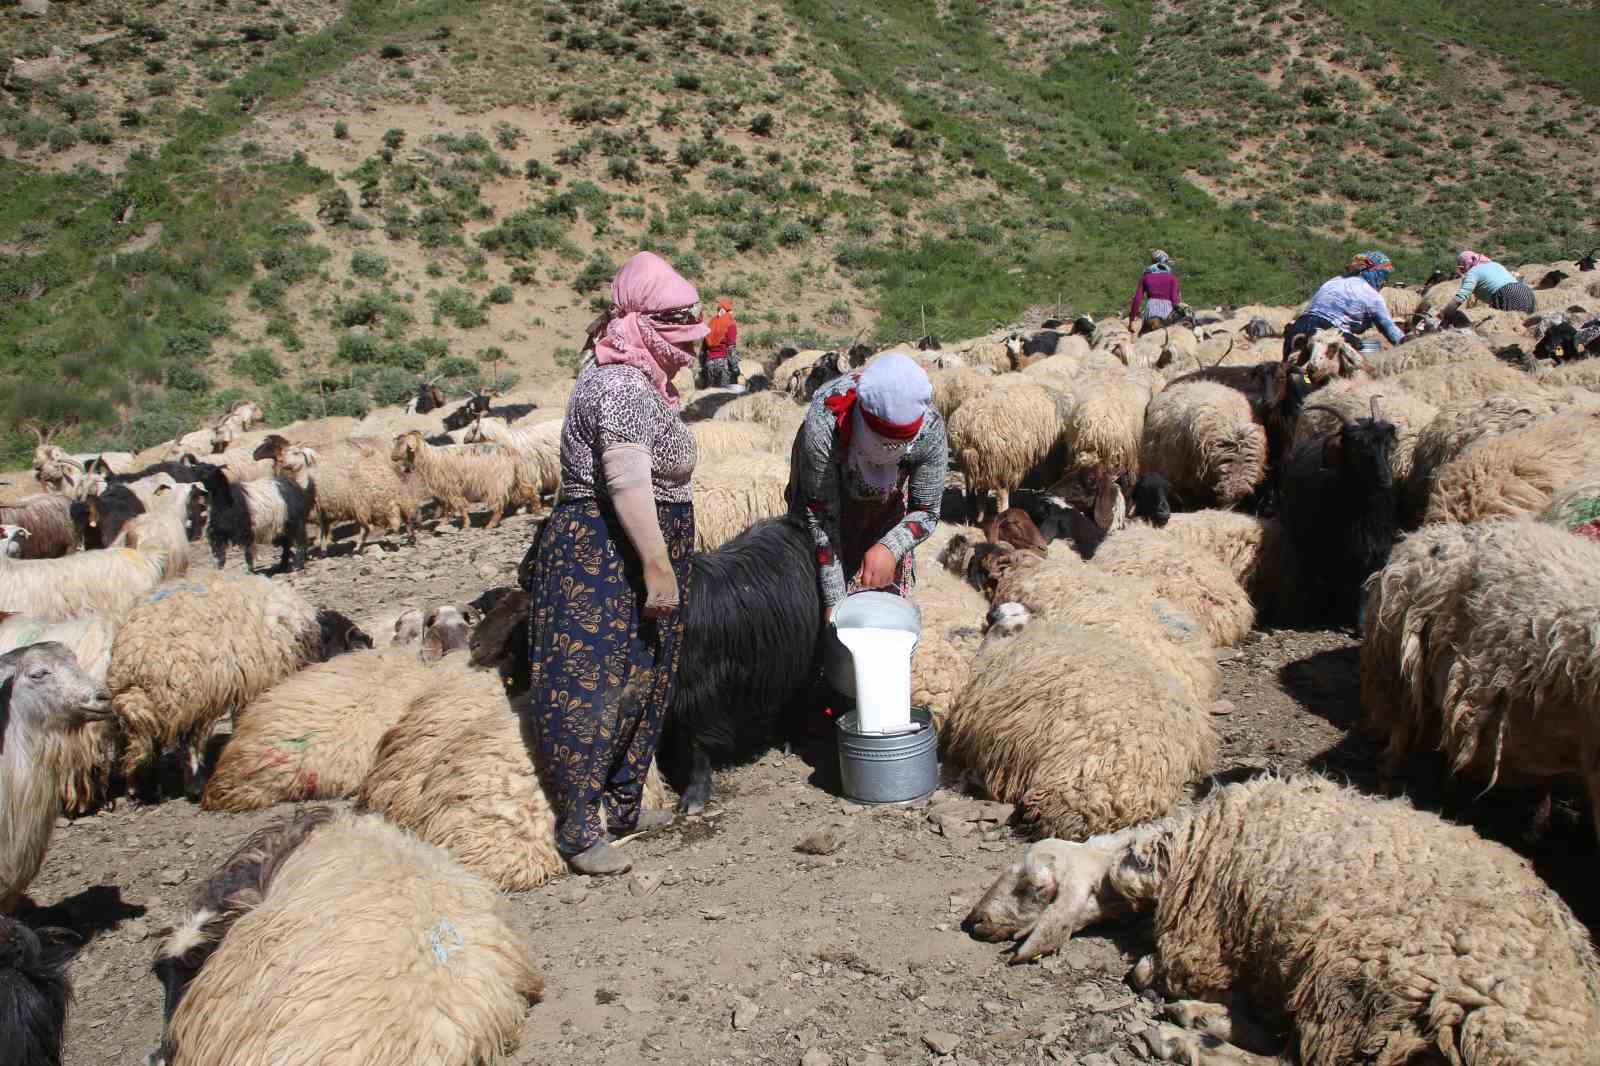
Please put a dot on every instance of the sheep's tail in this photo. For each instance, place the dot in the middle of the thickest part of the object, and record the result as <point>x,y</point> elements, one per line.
<point>1499,749</point>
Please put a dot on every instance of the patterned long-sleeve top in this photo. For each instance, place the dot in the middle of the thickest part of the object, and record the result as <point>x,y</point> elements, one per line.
<point>616,404</point>
<point>820,487</point>
<point>1352,305</point>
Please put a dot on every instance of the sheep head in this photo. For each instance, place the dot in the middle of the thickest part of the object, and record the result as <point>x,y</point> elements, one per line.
<point>1152,499</point>
<point>1004,621</point>
<point>405,449</point>
<point>447,629</point>
<point>408,627</point>
<point>271,448</point>
<point>1061,887</point>
<point>11,538</point>
<point>42,688</point>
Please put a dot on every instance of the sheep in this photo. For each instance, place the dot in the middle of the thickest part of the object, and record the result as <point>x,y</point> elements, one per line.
<point>771,409</point>
<point>238,884</point>
<point>354,482</point>
<point>1457,425</point>
<point>1584,374</point>
<point>1433,350</point>
<point>1340,509</point>
<point>1103,425</point>
<point>793,364</point>
<point>178,517</point>
<point>1015,528</point>
<point>727,440</point>
<point>952,615</point>
<point>1501,636</point>
<point>456,771</point>
<point>1361,929</point>
<point>952,388</point>
<point>1000,437</point>
<point>48,519</point>
<point>1203,438</point>
<point>1044,729</point>
<point>106,581</point>
<point>823,371</point>
<point>1064,591</point>
<point>1257,551</point>
<point>1461,381</point>
<point>537,449</point>
<point>732,495</point>
<point>42,691</point>
<point>368,945</point>
<point>460,474</point>
<point>266,511</point>
<point>1401,302</point>
<point>192,652</point>
<point>995,356</point>
<point>34,992</point>
<point>1194,579</point>
<point>1575,509</point>
<point>1351,399</point>
<point>1515,473</point>
<point>314,735</point>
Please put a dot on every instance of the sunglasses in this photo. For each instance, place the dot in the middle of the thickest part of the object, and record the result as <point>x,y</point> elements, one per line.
<point>678,316</point>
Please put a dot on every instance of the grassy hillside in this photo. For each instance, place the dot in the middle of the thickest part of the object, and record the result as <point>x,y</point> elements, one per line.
<point>312,203</point>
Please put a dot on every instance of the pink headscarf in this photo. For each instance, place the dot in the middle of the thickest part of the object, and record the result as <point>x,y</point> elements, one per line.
<point>1469,259</point>
<point>653,309</point>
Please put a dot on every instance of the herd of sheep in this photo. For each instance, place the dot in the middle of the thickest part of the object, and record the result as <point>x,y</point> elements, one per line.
<point>1136,505</point>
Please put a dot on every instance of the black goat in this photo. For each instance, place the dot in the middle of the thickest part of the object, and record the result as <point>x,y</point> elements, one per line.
<point>1575,342</point>
<point>339,633</point>
<point>928,343</point>
<point>1436,277</point>
<point>34,992</point>
<point>1586,263</point>
<point>429,398</point>
<point>859,354</point>
<point>1082,326</point>
<point>822,371</point>
<point>185,471</point>
<point>100,518</point>
<point>1043,343</point>
<point>265,510</point>
<point>757,382</point>
<point>463,416</point>
<point>1338,506</point>
<point>1551,279</point>
<point>1051,323</point>
<point>236,886</point>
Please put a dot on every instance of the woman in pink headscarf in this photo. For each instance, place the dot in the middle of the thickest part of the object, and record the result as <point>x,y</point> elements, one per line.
<point>1490,282</point>
<point>612,562</point>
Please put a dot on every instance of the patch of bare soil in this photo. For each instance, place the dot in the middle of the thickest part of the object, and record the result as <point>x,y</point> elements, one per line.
<point>732,946</point>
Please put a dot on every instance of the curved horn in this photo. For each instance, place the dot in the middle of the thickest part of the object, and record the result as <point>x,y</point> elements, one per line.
<point>1224,355</point>
<point>1343,418</point>
<point>1375,415</point>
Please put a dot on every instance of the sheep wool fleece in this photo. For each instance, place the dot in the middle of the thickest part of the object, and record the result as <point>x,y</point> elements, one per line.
<point>602,675</point>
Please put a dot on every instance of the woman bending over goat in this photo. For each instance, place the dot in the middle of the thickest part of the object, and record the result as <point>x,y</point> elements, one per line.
<point>867,474</point>
<point>611,558</point>
<point>1158,288</point>
<point>1349,303</point>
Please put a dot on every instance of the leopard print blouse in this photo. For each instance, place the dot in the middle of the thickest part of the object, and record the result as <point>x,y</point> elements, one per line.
<point>616,404</point>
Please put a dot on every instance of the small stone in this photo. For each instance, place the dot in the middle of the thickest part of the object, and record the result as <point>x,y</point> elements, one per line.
<point>744,1014</point>
<point>991,1006</point>
<point>639,1005</point>
<point>136,930</point>
<point>821,842</point>
<point>644,882</point>
<point>941,1043</point>
<point>574,891</point>
<point>172,875</point>
<point>952,825</point>
<point>867,1058</point>
<point>34,8</point>
<point>1223,707</point>
<point>816,1058</point>
<point>852,808</point>
<point>713,914</point>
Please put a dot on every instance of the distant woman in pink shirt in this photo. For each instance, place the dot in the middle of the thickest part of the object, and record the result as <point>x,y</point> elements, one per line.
<point>1158,290</point>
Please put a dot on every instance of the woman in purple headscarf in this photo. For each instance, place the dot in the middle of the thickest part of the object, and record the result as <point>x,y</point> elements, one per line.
<point>612,562</point>
<point>867,474</point>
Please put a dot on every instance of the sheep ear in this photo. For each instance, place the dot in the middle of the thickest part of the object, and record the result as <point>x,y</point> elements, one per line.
<point>162,490</point>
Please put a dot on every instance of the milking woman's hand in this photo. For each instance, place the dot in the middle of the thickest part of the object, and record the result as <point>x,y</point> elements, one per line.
<point>877,568</point>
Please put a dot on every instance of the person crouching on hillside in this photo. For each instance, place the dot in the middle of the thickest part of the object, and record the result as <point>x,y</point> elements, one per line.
<point>718,350</point>
<point>1349,303</point>
<point>1490,282</point>
<point>1158,289</point>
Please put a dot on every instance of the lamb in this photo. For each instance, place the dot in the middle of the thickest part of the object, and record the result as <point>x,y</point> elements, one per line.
<point>999,438</point>
<point>1352,399</point>
<point>1203,438</point>
<point>537,449</point>
<point>34,992</point>
<point>1486,647</point>
<point>106,581</point>
<point>42,691</point>
<point>1516,473</point>
<point>48,519</point>
<point>1043,729</point>
<point>354,482</point>
<point>1340,509</point>
<point>456,771</point>
<point>1015,528</point>
<point>461,474</point>
<point>315,734</point>
<point>1195,580</point>
<point>367,946</point>
<point>194,651</point>
<point>731,496</point>
<point>1446,947</point>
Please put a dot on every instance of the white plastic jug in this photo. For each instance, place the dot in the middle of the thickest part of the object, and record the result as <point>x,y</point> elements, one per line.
<point>882,661</point>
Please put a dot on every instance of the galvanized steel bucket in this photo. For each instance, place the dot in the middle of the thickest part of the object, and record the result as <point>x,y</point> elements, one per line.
<point>889,767</point>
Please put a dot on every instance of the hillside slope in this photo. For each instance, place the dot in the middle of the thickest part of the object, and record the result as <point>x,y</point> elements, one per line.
<point>313,203</point>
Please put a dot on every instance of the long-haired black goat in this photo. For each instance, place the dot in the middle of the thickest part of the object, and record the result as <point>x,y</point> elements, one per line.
<point>1338,505</point>
<point>264,511</point>
<point>33,994</point>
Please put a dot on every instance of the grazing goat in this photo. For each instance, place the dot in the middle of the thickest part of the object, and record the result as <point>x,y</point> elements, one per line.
<point>265,511</point>
<point>469,412</point>
<point>1340,507</point>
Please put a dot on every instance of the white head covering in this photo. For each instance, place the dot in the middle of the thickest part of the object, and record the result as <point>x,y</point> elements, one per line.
<point>892,390</point>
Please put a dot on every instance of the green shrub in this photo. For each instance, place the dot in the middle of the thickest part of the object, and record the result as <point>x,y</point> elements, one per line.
<point>258,365</point>
<point>687,80</point>
<point>154,421</point>
<point>393,139</point>
<point>334,207</point>
<point>392,385</point>
<point>61,138</point>
<point>368,264</point>
<point>761,125</point>
<point>597,272</point>
<point>341,130</point>
<point>500,294</point>
<point>522,274</point>
<point>357,348</point>
<point>183,378</point>
<point>458,306</point>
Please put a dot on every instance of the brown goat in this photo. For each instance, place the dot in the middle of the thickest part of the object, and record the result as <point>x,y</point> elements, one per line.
<point>1013,527</point>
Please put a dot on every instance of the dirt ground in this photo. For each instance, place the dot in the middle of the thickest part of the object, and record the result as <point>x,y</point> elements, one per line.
<point>728,945</point>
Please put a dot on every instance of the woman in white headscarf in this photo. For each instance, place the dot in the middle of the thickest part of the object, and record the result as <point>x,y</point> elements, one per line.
<point>867,474</point>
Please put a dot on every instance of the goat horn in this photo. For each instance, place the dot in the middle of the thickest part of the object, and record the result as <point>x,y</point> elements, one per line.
<point>1224,355</point>
<point>1343,418</point>
<point>1375,415</point>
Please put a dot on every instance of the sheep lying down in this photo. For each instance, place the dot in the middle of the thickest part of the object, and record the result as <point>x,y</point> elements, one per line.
<point>1355,930</point>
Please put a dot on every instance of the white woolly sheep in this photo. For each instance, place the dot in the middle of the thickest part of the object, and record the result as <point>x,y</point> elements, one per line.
<point>1000,437</point>
<point>537,448</point>
<point>1441,349</point>
<point>458,475</point>
<point>1257,551</point>
<point>368,946</point>
<point>1193,578</point>
<point>455,770</point>
<point>1584,374</point>
<point>953,387</point>
<point>354,482</point>
<point>727,440</point>
<point>1364,929</point>
<point>48,519</point>
<point>42,691</point>
<point>1461,381</point>
<point>952,627</point>
<point>1502,638</point>
<point>105,580</point>
<point>315,734</point>
<point>1203,438</point>
<point>1516,473</point>
<point>1043,727</point>
<point>1353,399</point>
<point>771,409</point>
<point>1103,425</point>
<point>1401,302</point>
<point>731,496</point>
<point>192,652</point>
